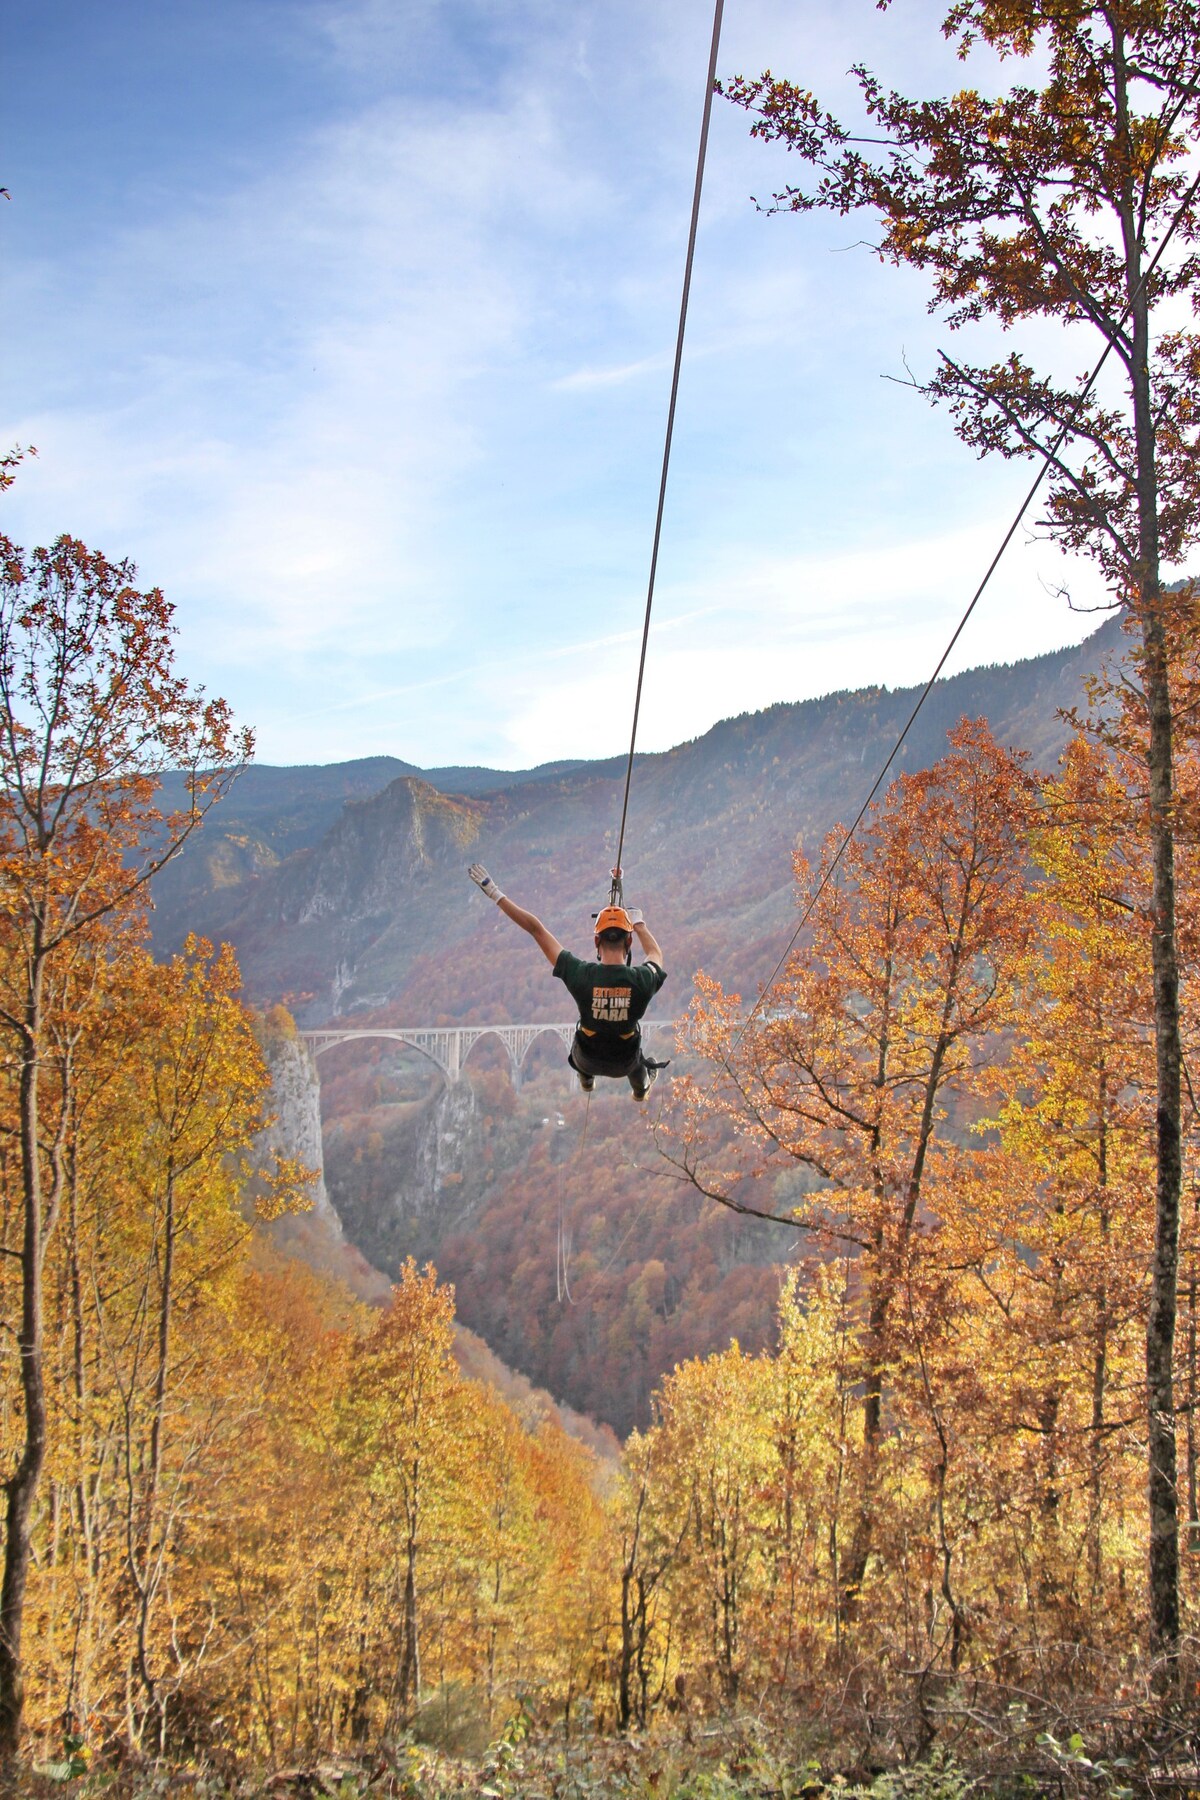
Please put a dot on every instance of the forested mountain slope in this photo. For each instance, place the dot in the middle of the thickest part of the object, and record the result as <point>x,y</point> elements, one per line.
<point>590,1270</point>
<point>344,888</point>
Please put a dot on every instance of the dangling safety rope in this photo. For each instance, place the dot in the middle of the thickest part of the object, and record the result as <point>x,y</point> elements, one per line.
<point>563,1251</point>
<point>562,1254</point>
<point>666,461</point>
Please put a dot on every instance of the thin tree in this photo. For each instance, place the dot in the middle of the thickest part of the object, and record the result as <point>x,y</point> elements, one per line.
<point>877,1026</point>
<point>91,714</point>
<point>402,1427</point>
<point>1075,202</point>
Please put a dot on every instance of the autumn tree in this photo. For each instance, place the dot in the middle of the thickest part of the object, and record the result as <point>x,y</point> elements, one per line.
<point>649,1545</point>
<point>92,714</point>
<point>1074,202</point>
<point>181,1123</point>
<point>148,1387</point>
<point>874,1030</point>
<point>716,1449</point>
<point>809,1487</point>
<point>402,1422</point>
<point>729,1511</point>
<point>281,1553</point>
<point>1068,1225</point>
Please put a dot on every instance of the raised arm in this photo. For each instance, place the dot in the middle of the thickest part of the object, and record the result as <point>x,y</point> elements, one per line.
<point>549,945</point>
<point>647,940</point>
<point>546,942</point>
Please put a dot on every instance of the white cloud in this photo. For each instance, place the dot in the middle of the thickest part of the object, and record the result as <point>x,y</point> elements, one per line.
<point>615,376</point>
<point>381,404</point>
<point>790,629</point>
<point>287,452</point>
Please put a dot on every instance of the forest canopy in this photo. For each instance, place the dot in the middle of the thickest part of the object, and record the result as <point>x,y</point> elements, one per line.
<point>251,1521</point>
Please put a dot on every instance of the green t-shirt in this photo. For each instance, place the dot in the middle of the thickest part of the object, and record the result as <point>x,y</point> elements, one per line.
<point>611,997</point>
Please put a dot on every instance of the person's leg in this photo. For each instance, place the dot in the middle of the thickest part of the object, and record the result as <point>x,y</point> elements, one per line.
<point>588,1065</point>
<point>587,1080</point>
<point>642,1076</point>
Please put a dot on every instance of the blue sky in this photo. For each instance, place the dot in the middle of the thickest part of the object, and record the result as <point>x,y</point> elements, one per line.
<point>351,322</point>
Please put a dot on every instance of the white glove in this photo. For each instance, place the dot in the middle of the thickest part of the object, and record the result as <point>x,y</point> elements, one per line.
<point>636,916</point>
<point>484,882</point>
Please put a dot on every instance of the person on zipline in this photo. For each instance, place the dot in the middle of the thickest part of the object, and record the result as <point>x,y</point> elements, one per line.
<point>610,993</point>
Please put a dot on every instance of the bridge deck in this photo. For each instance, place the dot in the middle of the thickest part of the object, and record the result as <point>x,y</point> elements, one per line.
<point>449,1045</point>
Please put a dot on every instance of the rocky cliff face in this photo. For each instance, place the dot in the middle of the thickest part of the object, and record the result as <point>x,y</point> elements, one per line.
<point>295,1102</point>
<point>413,1174</point>
<point>372,890</point>
<point>316,1236</point>
<point>376,851</point>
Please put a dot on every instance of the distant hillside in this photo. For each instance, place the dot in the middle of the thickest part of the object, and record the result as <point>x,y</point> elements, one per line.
<point>344,888</point>
<point>271,813</point>
<point>582,1263</point>
<point>268,815</point>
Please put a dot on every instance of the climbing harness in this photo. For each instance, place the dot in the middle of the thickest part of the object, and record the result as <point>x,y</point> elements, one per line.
<point>599,1274</point>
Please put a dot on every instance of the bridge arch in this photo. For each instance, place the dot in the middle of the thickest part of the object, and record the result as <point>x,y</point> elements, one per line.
<point>446,1046</point>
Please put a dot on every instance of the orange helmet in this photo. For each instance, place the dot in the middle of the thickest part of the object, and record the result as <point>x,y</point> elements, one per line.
<point>613,918</point>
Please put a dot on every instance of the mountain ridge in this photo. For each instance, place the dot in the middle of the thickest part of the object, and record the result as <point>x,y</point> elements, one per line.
<point>361,913</point>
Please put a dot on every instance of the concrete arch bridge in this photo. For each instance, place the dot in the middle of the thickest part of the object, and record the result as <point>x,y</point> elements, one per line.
<point>449,1045</point>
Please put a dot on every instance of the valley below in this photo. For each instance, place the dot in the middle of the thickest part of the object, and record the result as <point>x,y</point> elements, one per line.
<point>585,1263</point>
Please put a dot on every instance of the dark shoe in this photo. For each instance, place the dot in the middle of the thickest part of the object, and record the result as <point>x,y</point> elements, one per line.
<point>586,1082</point>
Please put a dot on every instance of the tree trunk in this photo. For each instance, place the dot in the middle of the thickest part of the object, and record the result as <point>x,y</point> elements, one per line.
<point>410,1656</point>
<point>854,1566</point>
<point>1099,1349</point>
<point>859,1554</point>
<point>1160,1321</point>
<point>23,1484</point>
<point>625,1664</point>
<point>146,1582</point>
<point>1193,1299</point>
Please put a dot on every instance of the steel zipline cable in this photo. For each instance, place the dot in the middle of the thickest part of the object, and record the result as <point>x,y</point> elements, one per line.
<point>666,460</point>
<point>1048,458</point>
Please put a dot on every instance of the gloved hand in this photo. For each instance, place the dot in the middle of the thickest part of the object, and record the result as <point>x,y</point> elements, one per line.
<point>636,916</point>
<point>484,882</point>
